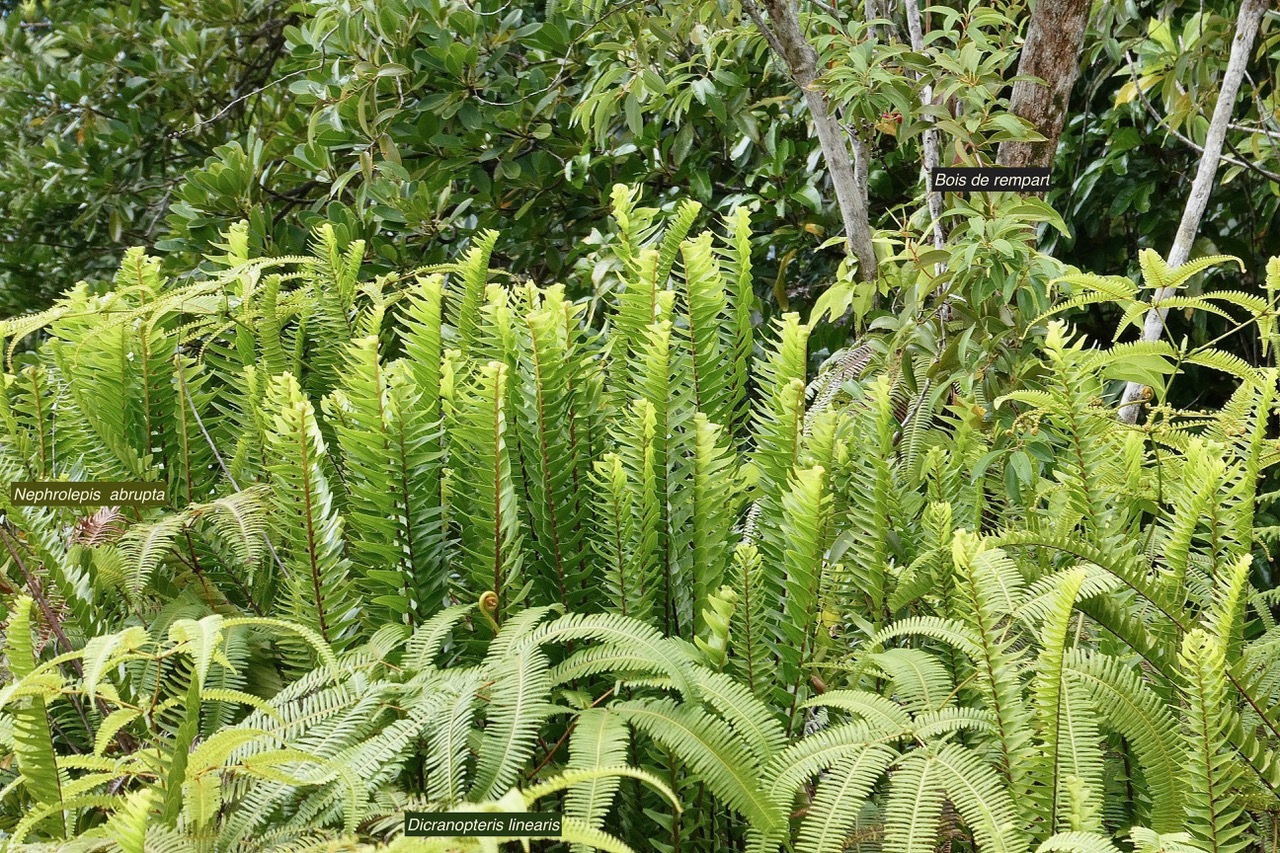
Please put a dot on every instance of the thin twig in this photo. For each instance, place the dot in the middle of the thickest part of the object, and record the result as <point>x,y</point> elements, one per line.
<point>1183,138</point>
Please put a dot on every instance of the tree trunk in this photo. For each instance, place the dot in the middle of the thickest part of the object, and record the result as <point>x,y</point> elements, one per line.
<point>1052,53</point>
<point>1247,21</point>
<point>931,150</point>
<point>881,10</point>
<point>782,32</point>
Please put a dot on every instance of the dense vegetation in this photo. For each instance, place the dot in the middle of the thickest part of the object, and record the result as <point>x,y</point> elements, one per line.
<point>441,540</point>
<point>531,444</point>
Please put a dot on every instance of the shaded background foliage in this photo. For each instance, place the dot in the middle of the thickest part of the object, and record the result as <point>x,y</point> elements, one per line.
<point>106,107</point>
<point>1125,155</point>
<point>409,124</point>
<point>412,125</point>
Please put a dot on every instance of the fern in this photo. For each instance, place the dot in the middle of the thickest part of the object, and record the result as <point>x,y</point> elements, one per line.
<point>1068,735</point>
<point>599,739</point>
<point>473,272</point>
<point>1214,816</point>
<point>556,501</point>
<point>513,719</point>
<point>32,738</point>
<point>487,499</point>
<point>713,504</point>
<point>317,590</point>
<point>707,744</point>
<point>804,514</point>
<point>712,598</point>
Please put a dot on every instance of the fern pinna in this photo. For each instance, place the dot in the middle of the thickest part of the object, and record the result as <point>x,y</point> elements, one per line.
<point>445,540</point>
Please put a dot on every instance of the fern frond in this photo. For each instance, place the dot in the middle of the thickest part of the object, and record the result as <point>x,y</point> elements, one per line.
<point>709,345</point>
<point>486,496</point>
<point>805,508</point>
<point>997,662</point>
<point>920,680</point>
<point>753,721</point>
<point>145,546</point>
<point>318,591</point>
<point>1077,842</point>
<point>544,397</point>
<point>599,740</point>
<point>677,229</point>
<point>873,708</point>
<point>835,808</point>
<point>754,650</point>
<point>709,747</point>
<point>1132,708</point>
<point>742,303</point>
<point>713,508</point>
<point>33,741</point>
<point>473,274</point>
<point>916,795</point>
<point>1214,814</point>
<point>1064,717</point>
<point>631,636</point>
<point>520,691</point>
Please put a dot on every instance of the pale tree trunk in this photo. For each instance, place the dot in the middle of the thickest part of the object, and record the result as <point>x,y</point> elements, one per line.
<point>1051,52</point>
<point>1247,21</point>
<point>881,10</point>
<point>782,32</point>
<point>931,151</point>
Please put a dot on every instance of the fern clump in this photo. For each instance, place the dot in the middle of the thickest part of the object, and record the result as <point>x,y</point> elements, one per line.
<point>449,541</point>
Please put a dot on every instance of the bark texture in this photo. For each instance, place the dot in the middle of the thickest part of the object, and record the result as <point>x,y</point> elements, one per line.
<point>1051,52</point>
<point>1247,21</point>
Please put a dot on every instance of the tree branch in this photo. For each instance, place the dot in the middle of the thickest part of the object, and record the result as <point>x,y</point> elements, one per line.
<point>1183,138</point>
<point>782,32</point>
<point>763,26</point>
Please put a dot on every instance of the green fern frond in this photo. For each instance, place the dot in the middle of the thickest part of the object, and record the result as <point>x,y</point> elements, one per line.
<point>486,497</point>
<point>713,499</point>
<point>833,814</point>
<point>1131,707</point>
<point>473,274</point>
<point>556,501</point>
<point>870,707</point>
<point>707,336</point>
<point>753,721</point>
<point>710,748</point>
<point>997,662</point>
<point>631,636</point>
<point>1065,717</point>
<point>677,230</point>
<point>743,304</point>
<point>33,741</point>
<point>1077,842</point>
<point>916,796</point>
<point>600,739</point>
<point>145,546</point>
<point>515,713</point>
<point>318,590</point>
<point>920,680</point>
<point>805,509</point>
<point>1214,814</point>
<point>1157,274</point>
